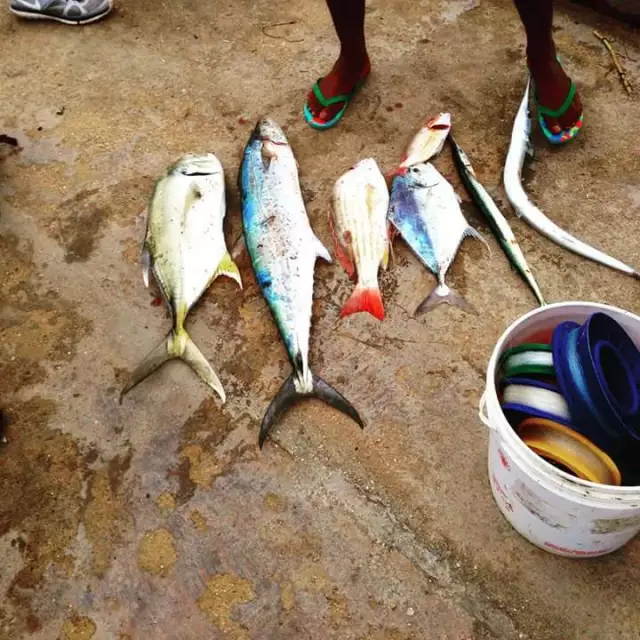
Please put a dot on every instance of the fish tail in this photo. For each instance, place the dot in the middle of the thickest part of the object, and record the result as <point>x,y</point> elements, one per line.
<point>288,395</point>
<point>177,344</point>
<point>442,294</point>
<point>366,299</point>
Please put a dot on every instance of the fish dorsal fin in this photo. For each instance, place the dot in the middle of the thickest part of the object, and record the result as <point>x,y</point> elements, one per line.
<point>344,254</point>
<point>385,256</point>
<point>268,151</point>
<point>228,267</point>
<point>321,250</point>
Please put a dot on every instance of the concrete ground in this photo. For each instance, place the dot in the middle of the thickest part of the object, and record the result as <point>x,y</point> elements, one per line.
<point>160,518</point>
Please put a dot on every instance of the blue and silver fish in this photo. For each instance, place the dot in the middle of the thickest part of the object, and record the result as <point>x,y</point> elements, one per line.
<point>283,250</point>
<point>426,212</point>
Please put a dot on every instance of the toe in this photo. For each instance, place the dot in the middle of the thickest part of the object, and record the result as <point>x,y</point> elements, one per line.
<point>553,125</point>
<point>572,115</point>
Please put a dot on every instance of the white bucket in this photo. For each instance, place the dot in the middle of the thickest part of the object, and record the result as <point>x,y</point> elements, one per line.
<point>552,509</point>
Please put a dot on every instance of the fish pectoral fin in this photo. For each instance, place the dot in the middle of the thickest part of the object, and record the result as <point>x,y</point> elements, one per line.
<point>268,153</point>
<point>193,195</point>
<point>343,258</point>
<point>472,233</point>
<point>387,250</point>
<point>228,267</point>
<point>145,261</point>
<point>239,248</point>
<point>321,250</point>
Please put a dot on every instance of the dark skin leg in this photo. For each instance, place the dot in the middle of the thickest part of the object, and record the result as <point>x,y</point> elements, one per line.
<point>353,62</point>
<point>552,83</point>
<point>537,16</point>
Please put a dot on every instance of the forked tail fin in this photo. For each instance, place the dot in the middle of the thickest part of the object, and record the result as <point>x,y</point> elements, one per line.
<point>364,299</point>
<point>177,344</point>
<point>442,294</point>
<point>288,395</point>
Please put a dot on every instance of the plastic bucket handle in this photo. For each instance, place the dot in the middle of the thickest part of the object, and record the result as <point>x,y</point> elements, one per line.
<point>482,412</point>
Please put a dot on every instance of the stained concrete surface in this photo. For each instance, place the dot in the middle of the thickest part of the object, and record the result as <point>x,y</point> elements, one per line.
<point>160,518</point>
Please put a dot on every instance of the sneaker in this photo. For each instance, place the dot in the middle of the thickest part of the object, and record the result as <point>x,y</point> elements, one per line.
<point>67,11</point>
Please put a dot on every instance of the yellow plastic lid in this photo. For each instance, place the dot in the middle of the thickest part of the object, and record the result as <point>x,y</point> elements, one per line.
<point>562,445</point>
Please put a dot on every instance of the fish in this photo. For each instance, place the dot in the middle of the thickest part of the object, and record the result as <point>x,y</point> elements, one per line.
<point>425,211</point>
<point>428,142</point>
<point>184,248</point>
<point>496,220</point>
<point>518,148</point>
<point>283,250</point>
<point>361,233</point>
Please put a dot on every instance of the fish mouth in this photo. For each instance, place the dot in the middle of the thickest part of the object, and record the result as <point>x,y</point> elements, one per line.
<point>267,130</point>
<point>198,165</point>
<point>441,122</point>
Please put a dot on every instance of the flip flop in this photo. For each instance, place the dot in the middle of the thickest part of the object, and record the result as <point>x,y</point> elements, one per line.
<point>314,122</point>
<point>566,134</point>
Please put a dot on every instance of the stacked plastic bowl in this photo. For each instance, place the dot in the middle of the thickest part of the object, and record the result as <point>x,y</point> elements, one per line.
<point>572,396</point>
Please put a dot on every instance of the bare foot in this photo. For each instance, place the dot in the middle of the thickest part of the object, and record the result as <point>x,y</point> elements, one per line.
<point>552,87</point>
<point>342,79</point>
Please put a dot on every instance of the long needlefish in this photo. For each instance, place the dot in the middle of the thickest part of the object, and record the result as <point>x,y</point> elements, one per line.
<point>361,233</point>
<point>496,220</point>
<point>518,149</point>
<point>426,212</point>
<point>184,248</point>
<point>283,250</point>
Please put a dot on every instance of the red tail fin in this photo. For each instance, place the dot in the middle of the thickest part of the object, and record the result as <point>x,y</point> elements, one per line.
<point>363,299</point>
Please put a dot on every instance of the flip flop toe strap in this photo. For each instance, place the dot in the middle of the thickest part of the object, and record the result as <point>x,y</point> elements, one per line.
<point>328,102</point>
<point>558,113</point>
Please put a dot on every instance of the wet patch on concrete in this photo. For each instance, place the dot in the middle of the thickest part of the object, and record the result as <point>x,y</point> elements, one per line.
<point>105,515</point>
<point>78,627</point>
<point>80,221</point>
<point>157,552</point>
<point>224,592</point>
<point>43,472</point>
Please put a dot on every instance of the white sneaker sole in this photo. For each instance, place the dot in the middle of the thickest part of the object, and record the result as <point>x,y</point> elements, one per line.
<point>43,16</point>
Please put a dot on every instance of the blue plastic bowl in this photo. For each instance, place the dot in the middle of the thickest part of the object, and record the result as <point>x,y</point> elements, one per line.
<point>596,366</point>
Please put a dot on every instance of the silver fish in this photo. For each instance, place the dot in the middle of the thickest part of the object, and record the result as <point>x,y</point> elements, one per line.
<point>283,250</point>
<point>496,220</point>
<point>184,248</point>
<point>428,142</point>
<point>518,198</point>
<point>426,212</point>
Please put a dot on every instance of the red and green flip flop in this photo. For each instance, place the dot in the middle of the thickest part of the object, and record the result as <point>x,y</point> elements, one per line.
<point>314,121</point>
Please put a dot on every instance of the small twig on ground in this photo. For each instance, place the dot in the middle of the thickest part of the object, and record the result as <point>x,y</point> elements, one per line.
<point>280,24</point>
<point>621,72</point>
